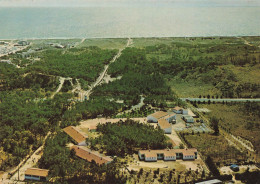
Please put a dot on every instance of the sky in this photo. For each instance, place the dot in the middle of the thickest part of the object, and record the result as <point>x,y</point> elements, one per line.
<point>69,3</point>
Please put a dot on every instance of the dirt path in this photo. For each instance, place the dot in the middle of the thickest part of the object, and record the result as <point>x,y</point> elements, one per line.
<point>242,143</point>
<point>102,75</point>
<point>62,80</point>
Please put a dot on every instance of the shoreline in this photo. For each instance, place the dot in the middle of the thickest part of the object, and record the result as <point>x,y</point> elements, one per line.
<point>135,37</point>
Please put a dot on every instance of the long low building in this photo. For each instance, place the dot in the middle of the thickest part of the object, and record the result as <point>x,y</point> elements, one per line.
<point>76,135</point>
<point>36,174</point>
<point>89,155</point>
<point>168,154</point>
<point>156,116</point>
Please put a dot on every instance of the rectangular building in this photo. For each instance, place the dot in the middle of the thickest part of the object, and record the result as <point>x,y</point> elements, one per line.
<point>168,154</point>
<point>36,174</point>
<point>77,136</point>
<point>156,116</point>
<point>165,126</point>
<point>89,155</point>
<point>188,119</point>
<point>177,110</point>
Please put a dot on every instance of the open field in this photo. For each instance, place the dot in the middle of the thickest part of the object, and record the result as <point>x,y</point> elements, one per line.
<point>238,120</point>
<point>217,147</point>
<point>105,43</point>
<point>192,88</point>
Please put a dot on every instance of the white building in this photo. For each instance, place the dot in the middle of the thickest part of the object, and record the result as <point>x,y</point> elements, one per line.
<point>36,174</point>
<point>165,126</point>
<point>188,119</point>
<point>184,111</point>
<point>177,110</point>
<point>168,154</point>
<point>156,116</point>
<point>170,118</point>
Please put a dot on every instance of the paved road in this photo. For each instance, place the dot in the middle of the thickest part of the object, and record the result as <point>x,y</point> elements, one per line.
<point>223,99</point>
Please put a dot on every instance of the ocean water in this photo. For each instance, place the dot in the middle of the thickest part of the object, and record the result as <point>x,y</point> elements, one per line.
<point>161,20</point>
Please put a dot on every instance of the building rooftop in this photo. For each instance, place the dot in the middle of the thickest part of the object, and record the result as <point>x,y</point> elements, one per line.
<point>75,134</point>
<point>187,116</point>
<point>177,108</point>
<point>169,152</point>
<point>171,114</point>
<point>89,155</point>
<point>37,172</point>
<point>159,114</point>
<point>163,123</point>
<point>215,181</point>
<point>191,113</point>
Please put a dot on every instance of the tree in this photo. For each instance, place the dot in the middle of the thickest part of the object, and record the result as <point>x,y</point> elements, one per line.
<point>181,146</point>
<point>214,124</point>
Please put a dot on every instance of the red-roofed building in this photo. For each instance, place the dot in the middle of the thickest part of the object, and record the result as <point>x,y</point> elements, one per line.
<point>177,110</point>
<point>36,174</point>
<point>156,116</point>
<point>165,126</point>
<point>89,155</point>
<point>76,135</point>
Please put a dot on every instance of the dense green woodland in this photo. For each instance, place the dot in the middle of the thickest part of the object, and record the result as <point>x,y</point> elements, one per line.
<point>139,77</point>
<point>127,137</point>
<point>84,63</point>
<point>25,122</point>
<point>66,167</point>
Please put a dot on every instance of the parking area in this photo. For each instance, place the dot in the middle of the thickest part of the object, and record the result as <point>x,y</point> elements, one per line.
<point>197,126</point>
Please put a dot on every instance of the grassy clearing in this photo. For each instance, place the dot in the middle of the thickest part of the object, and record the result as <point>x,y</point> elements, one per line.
<point>217,147</point>
<point>105,43</point>
<point>237,121</point>
<point>191,88</point>
<point>144,42</point>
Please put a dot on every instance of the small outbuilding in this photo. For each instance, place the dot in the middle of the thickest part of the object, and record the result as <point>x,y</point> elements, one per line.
<point>184,111</point>
<point>171,118</point>
<point>36,174</point>
<point>188,119</point>
<point>177,110</point>
<point>234,167</point>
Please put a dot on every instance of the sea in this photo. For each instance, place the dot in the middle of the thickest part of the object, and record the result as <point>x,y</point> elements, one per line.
<point>167,19</point>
